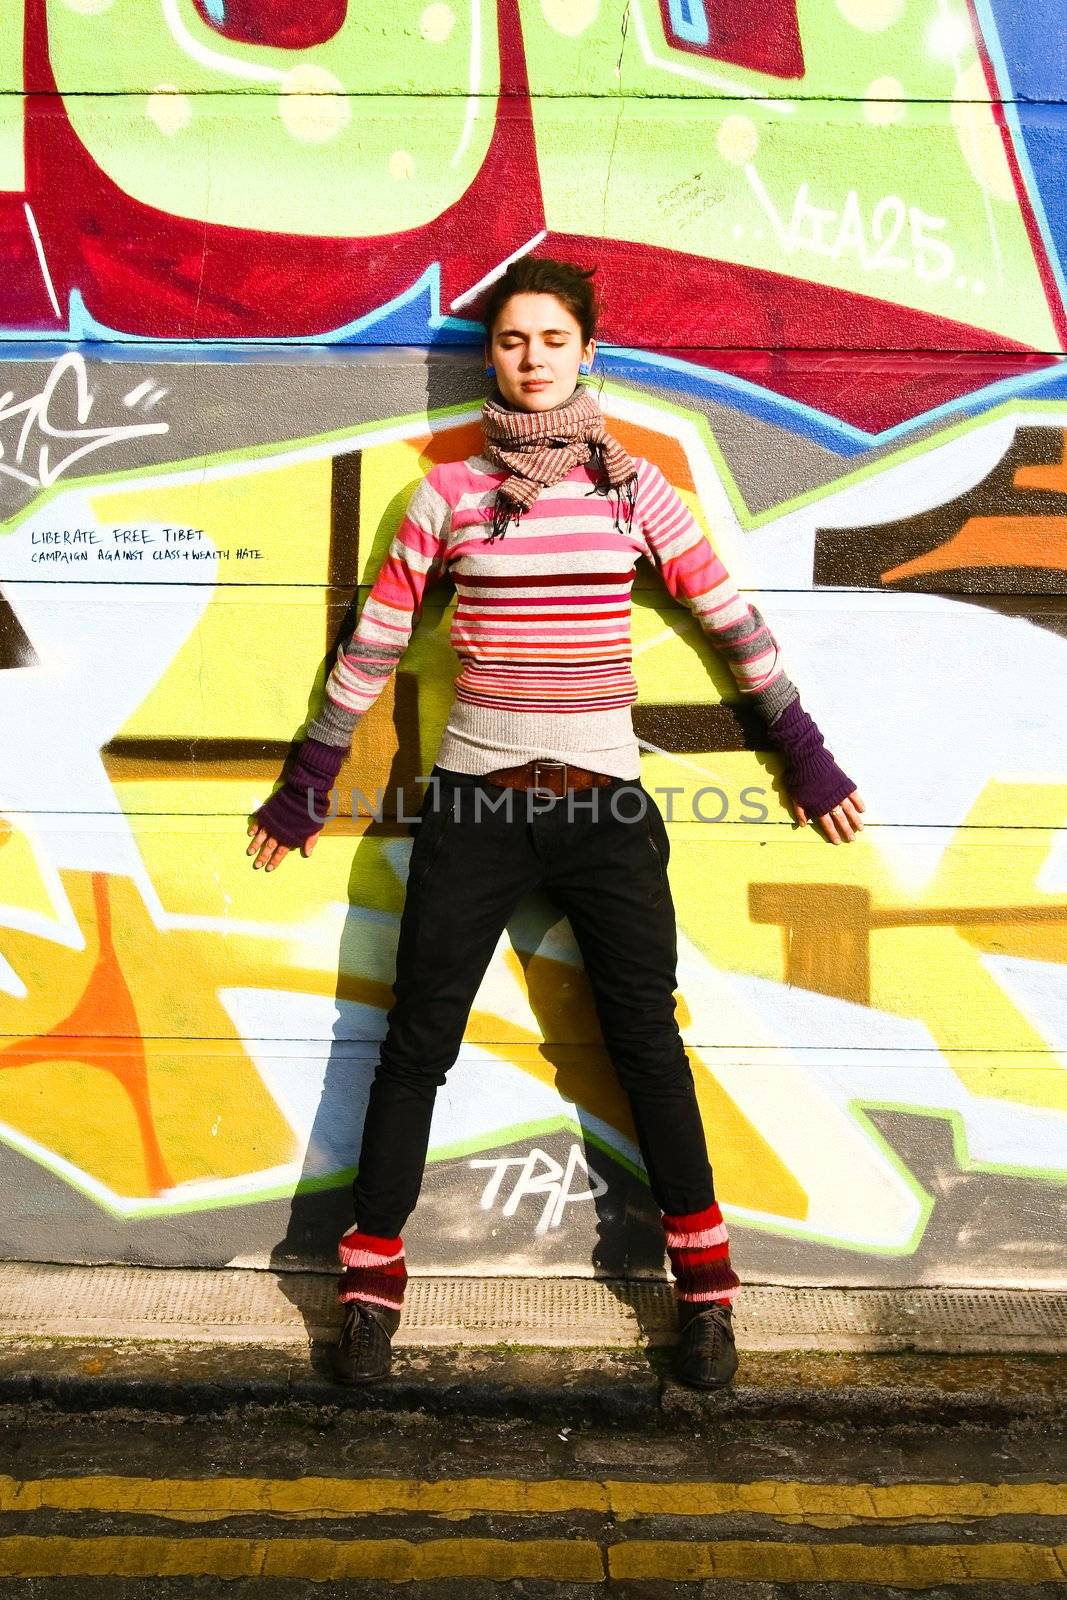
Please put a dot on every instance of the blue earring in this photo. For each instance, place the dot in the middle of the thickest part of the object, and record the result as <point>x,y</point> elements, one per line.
<point>585,367</point>
<point>490,371</point>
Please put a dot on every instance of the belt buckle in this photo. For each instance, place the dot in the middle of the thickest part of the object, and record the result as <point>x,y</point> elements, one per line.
<point>560,766</point>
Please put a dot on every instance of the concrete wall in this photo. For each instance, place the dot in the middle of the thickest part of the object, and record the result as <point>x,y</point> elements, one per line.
<point>240,247</point>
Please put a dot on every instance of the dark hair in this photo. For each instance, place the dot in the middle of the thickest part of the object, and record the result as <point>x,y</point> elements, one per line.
<point>541,275</point>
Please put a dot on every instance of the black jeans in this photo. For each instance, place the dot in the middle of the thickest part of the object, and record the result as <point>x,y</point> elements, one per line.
<point>478,849</point>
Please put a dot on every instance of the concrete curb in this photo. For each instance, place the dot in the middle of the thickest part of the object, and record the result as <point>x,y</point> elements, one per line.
<point>288,1309</point>
<point>564,1388</point>
<point>180,1341</point>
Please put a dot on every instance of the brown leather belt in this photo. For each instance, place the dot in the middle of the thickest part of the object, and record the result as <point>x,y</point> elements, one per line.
<point>554,776</point>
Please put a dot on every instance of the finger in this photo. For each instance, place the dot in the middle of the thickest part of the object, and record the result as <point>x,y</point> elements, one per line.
<point>828,827</point>
<point>856,799</point>
<point>266,851</point>
<point>309,844</point>
<point>841,822</point>
<point>852,814</point>
<point>280,853</point>
<point>799,812</point>
<point>258,840</point>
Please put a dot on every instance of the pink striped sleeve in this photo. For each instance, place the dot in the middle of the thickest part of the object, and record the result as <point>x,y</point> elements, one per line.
<point>413,563</point>
<point>694,574</point>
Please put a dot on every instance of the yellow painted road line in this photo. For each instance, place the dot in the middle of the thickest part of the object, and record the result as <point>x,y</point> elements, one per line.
<point>314,1560</point>
<point>338,1497</point>
<point>843,1502</point>
<point>840,1503</point>
<point>902,1566</point>
<point>579,1560</point>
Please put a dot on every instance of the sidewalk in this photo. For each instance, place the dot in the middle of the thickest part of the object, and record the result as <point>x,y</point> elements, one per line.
<point>189,1341</point>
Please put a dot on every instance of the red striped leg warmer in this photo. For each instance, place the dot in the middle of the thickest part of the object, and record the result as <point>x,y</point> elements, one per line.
<point>374,1269</point>
<point>699,1251</point>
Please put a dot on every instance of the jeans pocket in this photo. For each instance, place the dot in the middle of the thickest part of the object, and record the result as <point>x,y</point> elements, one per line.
<point>430,830</point>
<point>659,847</point>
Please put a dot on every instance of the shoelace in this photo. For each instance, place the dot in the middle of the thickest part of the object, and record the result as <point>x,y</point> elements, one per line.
<point>359,1329</point>
<point>708,1332</point>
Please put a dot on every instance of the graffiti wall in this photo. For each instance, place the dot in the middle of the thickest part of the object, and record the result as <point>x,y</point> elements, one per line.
<point>242,247</point>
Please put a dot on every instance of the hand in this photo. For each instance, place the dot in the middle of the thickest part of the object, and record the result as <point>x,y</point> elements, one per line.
<point>268,852</point>
<point>842,823</point>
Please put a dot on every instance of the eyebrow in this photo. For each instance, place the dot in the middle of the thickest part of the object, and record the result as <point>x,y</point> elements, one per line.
<point>518,333</point>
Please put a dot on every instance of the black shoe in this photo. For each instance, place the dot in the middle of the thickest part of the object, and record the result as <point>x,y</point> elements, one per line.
<point>364,1350</point>
<point>706,1356</point>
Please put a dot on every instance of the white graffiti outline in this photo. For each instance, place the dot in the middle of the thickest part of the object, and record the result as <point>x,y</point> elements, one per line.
<point>35,412</point>
<point>214,60</point>
<point>258,72</point>
<point>714,80</point>
<point>474,84</point>
<point>38,245</point>
<point>496,272</point>
<point>944,11</point>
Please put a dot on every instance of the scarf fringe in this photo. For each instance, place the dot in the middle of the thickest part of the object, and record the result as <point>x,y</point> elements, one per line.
<point>623,513</point>
<point>628,498</point>
<point>504,510</point>
<point>625,493</point>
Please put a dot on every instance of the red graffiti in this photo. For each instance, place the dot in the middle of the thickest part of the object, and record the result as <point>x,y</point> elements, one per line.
<point>764,38</point>
<point>145,271</point>
<point>282,24</point>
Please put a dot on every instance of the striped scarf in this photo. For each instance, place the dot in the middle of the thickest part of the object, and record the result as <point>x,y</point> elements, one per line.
<point>538,448</point>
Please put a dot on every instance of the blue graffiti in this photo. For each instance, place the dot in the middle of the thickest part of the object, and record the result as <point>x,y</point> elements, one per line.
<point>689,21</point>
<point>414,317</point>
<point>1029,75</point>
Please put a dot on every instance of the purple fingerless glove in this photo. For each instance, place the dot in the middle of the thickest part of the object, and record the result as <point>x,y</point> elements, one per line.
<point>812,775</point>
<point>286,815</point>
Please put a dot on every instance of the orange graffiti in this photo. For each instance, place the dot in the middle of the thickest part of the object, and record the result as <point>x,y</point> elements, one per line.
<point>453,444</point>
<point>1052,478</point>
<point>994,542</point>
<point>105,1007</point>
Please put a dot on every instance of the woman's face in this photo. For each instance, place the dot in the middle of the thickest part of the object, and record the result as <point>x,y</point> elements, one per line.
<point>536,347</point>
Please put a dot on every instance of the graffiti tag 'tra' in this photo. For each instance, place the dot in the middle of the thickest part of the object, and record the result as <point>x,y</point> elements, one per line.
<point>539,1174</point>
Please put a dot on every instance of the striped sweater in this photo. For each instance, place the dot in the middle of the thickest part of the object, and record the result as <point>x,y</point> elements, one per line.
<point>542,620</point>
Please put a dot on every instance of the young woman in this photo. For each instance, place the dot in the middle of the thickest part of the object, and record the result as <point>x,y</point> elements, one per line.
<point>537,783</point>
